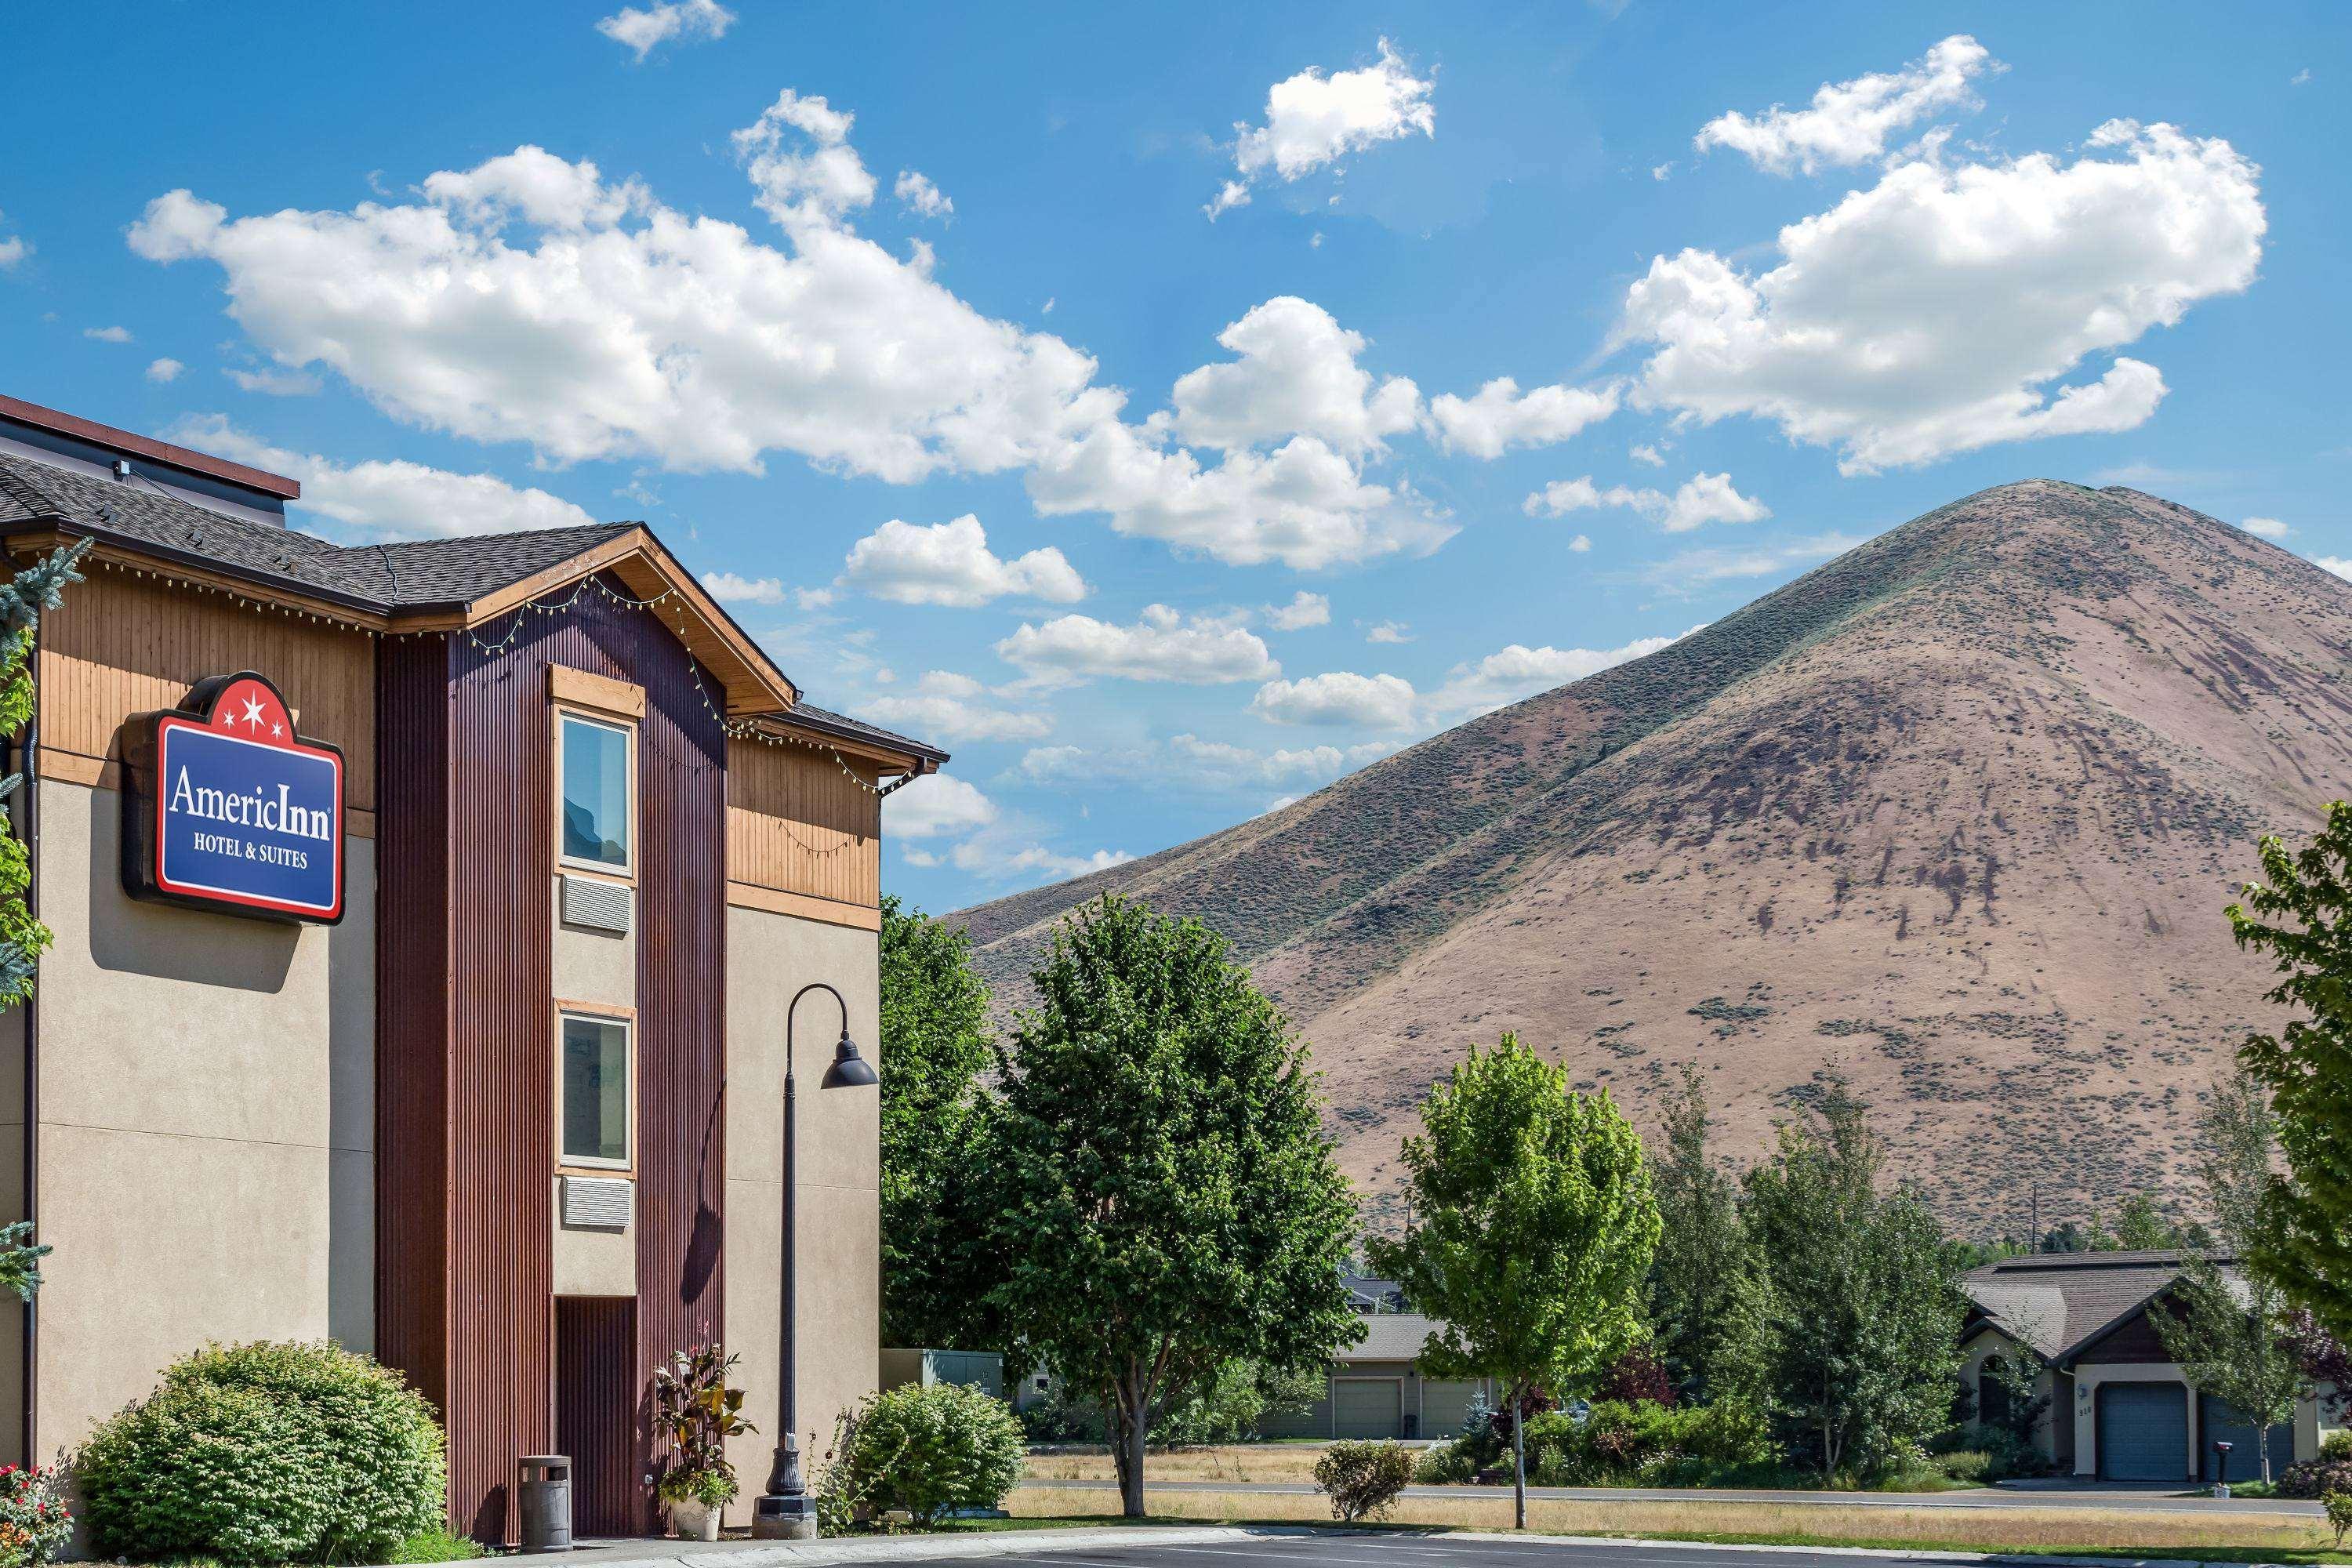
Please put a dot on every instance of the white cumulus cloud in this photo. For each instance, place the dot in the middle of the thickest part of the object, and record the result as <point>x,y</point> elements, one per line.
<point>956,708</point>
<point>1707,497</point>
<point>1313,120</point>
<point>935,805</point>
<point>165,371</point>
<point>1850,122</point>
<point>951,564</point>
<point>919,196</point>
<point>1933,312</point>
<point>380,501</point>
<point>1304,610</point>
<point>1296,376</point>
<point>1338,697</point>
<point>531,298</point>
<point>729,588</point>
<point>108,334</point>
<point>643,31</point>
<point>1500,417</point>
<point>1164,644</point>
<point>2267,528</point>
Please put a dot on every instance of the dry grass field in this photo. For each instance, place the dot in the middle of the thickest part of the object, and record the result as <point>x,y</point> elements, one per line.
<point>2003,1528</point>
<point>1238,1462</point>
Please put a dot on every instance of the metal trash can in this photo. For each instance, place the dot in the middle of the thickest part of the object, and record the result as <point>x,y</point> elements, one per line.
<point>543,1501</point>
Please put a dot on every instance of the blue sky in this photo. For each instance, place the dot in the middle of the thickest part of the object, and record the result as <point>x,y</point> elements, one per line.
<point>1247,506</point>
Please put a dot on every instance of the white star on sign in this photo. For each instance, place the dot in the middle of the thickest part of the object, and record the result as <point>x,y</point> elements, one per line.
<point>277,728</point>
<point>252,714</point>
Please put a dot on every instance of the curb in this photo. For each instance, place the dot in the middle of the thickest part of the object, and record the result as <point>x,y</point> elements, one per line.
<point>1022,1542</point>
<point>895,1548</point>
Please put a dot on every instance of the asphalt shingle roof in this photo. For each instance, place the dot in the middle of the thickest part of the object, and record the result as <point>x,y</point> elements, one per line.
<point>1391,1336</point>
<point>381,577</point>
<point>2053,1301</point>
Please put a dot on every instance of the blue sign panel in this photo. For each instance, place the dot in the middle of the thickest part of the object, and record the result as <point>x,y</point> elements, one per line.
<point>230,810</point>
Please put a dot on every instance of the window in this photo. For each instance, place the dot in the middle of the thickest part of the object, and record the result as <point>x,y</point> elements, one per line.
<point>596,1120</point>
<point>597,774</point>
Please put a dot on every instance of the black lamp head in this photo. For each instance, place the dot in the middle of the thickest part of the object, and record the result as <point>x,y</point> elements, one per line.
<point>849,1071</point>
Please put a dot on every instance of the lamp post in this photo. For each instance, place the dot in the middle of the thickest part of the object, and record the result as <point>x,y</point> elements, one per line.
<point>786,1512</point>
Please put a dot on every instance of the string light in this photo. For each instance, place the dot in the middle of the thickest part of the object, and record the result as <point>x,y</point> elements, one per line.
<point>737,729</point>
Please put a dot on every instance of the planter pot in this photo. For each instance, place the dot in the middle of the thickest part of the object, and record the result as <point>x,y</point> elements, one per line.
<point>693,1520</point>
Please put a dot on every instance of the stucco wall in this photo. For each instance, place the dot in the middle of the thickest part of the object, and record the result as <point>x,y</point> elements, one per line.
<point>1982,1347</point>
<point>207,1123</point>
<point>598,968</point>
<point>770,957</point>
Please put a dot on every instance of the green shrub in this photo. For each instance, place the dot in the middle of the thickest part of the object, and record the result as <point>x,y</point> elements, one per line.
<point>436,1546</point>
<point>1451,1464</point>
<point>266,1453</point>
<point>1971,1464</point>
<point>1363,1479</point>
<point>1619,1442</point>
<point>928,1450</point>
<point>2336,1445</point>
<point>2339,1515</point>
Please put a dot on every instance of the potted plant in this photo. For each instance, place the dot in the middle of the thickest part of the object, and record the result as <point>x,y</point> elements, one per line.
<point>695,1413</point>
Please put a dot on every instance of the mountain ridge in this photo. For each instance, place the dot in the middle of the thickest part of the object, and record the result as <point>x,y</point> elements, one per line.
<point>2137,691</point>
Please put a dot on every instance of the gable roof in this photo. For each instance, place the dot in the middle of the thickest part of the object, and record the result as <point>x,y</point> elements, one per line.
<point>2060,1303</point>
<point>1390,1336</point>
<point>435,584</point>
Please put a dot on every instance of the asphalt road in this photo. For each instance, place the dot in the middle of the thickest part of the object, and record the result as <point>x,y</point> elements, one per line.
<point>1404,1549</point>
<point>2155,1500</point>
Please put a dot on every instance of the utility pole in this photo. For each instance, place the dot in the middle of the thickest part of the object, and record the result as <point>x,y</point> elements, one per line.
<point>2036,1245</point>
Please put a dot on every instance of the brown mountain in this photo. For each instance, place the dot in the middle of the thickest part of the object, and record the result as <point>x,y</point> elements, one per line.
<point>1955,814</point>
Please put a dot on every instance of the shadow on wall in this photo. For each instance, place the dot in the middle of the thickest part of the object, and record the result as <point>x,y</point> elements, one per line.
<point>172,943</point>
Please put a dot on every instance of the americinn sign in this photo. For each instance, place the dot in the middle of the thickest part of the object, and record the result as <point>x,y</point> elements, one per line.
<point>228,809</point>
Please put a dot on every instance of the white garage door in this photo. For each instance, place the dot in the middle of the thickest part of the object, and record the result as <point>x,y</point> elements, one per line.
<point>1366,1407</point>
<point>2143,1432</point>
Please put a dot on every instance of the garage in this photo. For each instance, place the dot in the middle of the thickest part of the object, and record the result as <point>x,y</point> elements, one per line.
<point>2218,1421</point>
<point>2143,1430</point>
<point>1446,1407</point>
<point>1367,1407</point>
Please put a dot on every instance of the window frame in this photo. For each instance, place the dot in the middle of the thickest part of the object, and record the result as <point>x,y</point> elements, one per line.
<point>625,1019</point>
<point>567,712</point>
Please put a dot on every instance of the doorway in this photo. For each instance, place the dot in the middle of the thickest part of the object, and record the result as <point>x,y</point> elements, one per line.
<point>596,1416</point>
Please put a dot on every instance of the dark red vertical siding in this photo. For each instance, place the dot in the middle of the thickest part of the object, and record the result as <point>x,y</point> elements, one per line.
<point>467,1121</point>
<point>411,935</point>
<point>595,1411</point>
<point>681,988</point>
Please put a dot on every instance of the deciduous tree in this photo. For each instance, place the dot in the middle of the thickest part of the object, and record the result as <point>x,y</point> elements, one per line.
<point>1166,1200</point>
<point>2232,1340</point>
<point>2300,916</point>
<point>936,1264</point>
<point>1535,1225</point>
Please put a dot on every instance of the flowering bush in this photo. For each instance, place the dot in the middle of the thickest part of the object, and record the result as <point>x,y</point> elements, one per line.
<point>266,1453</point>
<point>34,1520</point>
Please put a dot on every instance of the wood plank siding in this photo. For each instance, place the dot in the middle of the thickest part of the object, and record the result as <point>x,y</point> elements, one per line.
<point>797,824</point>
<point>121,646</point>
